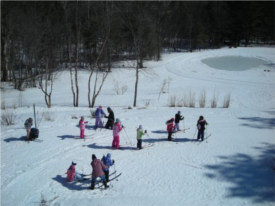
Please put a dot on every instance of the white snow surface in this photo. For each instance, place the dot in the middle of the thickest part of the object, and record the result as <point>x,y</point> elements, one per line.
<point>233,166</point>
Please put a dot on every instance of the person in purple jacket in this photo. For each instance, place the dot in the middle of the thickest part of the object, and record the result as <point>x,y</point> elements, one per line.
<point>108,162</point>
<point>99,113</point>
<point>98,167</point>
<point>201,127</point>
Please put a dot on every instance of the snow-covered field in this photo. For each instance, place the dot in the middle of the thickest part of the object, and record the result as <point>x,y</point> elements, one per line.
<point>232,167</point>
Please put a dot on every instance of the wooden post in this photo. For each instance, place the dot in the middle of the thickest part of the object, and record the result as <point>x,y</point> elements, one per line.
<point>34,115</point>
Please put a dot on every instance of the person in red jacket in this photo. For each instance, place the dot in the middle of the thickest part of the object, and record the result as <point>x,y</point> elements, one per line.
<point>170,128</point>
<point>74,175</point>
<point>98,167</point>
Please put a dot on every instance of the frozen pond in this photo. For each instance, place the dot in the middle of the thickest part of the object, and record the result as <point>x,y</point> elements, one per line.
<point>233,63</point>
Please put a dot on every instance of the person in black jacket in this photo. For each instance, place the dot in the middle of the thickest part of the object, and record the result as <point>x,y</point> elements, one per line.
<point>178,117</point>
<point>201,127</point>
<point>111,119</point>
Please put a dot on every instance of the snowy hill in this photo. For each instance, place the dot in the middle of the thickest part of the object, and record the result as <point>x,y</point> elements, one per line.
<point>233,166</point>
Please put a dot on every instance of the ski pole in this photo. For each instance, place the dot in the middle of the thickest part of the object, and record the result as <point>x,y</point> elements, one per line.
<point>115,168</point>
<point>206,133</point>
<point>127,136</point>
<point>195,133</point>
<point>124,138</point>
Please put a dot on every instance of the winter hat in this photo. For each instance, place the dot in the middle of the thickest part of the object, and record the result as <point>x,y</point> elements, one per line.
<point>73,163</point>
<point>100,107</point>
<point>109,155</point>
<point>108,108</point>
<point>201,117</point>
<point>178,112</point>
<point>82,117</point>
<point>172,119</point>
<point>117,120</point>
<point>140,127</point>
<point>93,157</point>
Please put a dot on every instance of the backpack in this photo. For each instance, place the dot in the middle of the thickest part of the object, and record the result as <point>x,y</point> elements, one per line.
<point>34,133</point>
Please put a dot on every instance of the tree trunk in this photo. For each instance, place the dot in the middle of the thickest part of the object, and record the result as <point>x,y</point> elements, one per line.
<point>136,85</point>
<point>70,67</point>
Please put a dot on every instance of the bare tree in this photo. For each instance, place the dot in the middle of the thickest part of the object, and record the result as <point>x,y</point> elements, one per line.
<point>103,51</point>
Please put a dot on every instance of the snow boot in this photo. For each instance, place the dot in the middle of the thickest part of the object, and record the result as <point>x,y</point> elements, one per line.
<point>92,187</point>
<point>105,185</point>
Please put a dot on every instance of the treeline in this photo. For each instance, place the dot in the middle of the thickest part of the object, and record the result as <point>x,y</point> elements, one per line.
<point>40,37</point>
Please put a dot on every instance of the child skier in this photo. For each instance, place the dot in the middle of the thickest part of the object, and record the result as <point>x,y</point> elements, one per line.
<point>116,129</point>
<point>97,166</point>
<point>99,113</point>
<point>201,127</point>
<point>73,175</point>
<point>82,127</point>
<point>111,119</point>
<point>170,128</point>
<point>140,133</point>
<point>28,125</point>
<point>178,118</point>
<point>107,162</point>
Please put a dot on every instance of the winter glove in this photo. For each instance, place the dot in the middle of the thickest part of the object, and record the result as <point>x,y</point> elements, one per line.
<point>86,122</point>
<point>113,161</point>
<point>122,126</point>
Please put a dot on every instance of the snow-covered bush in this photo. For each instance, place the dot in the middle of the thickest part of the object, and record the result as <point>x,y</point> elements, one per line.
<point>214,100</point>
<point>172,100</point>
<point>202,99</point>
<point>192,102</point>
<point>8,117</point>
<point>92,112</point>
<point>226,101</point>
<point>3,105</point>
<point>119,89</point>
<point>48,116</point>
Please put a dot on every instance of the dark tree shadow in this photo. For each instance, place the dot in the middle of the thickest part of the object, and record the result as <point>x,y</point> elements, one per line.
<point>259,122</point>
<point>66,137</point>
<point>251,177</point>
<point>72,185</point>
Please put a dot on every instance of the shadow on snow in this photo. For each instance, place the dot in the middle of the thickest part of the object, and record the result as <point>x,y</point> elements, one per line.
<point>259,122</point>
<point>66,136</point>
<point>72,185</point>
<point>12,139</point>
<point>250,177</point>
<point>95,146</point>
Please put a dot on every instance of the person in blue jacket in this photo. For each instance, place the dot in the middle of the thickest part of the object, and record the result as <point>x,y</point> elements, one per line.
<point>108,162</point>
<point>99,113</point>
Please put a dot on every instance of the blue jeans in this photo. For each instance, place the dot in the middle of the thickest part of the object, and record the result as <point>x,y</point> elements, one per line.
<point>200,134</point>
<point>103,178</point>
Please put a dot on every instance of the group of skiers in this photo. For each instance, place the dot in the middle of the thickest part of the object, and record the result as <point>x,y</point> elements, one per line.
<point>171,128</point>
<point>113,124</point>
<point>100,169</point>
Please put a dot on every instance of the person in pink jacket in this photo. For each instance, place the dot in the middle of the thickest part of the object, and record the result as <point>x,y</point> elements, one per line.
<point>170,128</point>
<point>82,127</point>
<point>116,129</point>
<point>98,167</point>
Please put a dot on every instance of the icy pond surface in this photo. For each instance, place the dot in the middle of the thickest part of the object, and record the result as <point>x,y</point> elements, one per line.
<point>233,63</point>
